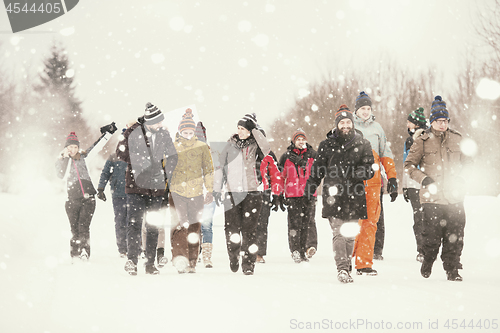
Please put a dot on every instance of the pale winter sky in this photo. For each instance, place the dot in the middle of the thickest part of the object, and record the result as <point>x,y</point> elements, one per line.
<point>233,57</point>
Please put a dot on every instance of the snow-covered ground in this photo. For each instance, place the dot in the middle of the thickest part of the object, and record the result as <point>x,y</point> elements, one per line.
<point>41,291</point>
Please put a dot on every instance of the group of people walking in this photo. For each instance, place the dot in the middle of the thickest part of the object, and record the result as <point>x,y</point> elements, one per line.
<point>149,171</point>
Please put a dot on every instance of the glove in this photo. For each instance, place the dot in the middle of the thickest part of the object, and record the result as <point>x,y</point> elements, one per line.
<point>111,128</point>
<point>405,195</point>
<point>282,202</point>
<point>100,194</point>
<point>276,202</point>
<point>427,181</point>
<point>392,188</point>
<point>297,160</point>
<point>393,195</point>
<point>218,198</point>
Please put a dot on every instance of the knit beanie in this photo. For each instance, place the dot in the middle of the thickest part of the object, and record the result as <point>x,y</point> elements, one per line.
<point>152,115</point>
<point>72,140</point>
<point>417,117</point>
<point>187,121</point>
<point>438,109</point>
<point>249,121</point>
<point>343,113</point>
<point>201,132</point>
<point>299,133</point>
<point>362,100</point>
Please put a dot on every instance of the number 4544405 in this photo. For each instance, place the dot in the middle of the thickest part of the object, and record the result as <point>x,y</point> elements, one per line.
<point>42,8</point>
<point>471,324</point>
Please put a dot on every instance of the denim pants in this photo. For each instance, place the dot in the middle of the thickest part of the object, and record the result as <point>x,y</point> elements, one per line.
<point>120,209</point>
<point>137,207</point>
<point>207,222</point>
<point>342,245</point>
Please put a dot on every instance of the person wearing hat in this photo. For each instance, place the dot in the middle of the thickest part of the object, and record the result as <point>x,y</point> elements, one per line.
<point>238,171</point>
<point>436,162</point>
<point>80,205</point>
<point>416,125</point>
<point>295,165</point>
<point>344,162</point>
<point>364,121</point>
<point>151,157</point>
<point>193,172</point>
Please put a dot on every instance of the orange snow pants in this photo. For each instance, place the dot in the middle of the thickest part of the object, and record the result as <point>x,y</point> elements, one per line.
<point>365,240</point>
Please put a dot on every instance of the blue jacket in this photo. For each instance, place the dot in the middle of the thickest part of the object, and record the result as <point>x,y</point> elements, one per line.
<point>114,171</point>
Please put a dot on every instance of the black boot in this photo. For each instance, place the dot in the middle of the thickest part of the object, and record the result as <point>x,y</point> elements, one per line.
<point>426,269</point>
<point>453,275</point>
<point>151,269</point>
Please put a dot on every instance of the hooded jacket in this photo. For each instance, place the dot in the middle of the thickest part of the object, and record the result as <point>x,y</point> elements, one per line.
<point>439,156</point>
<point>239,163</point>
<point>294,177</point>
<point>145,176</point>
<point>344,165</point>
<point>374,133</point>
<point>194,168</point>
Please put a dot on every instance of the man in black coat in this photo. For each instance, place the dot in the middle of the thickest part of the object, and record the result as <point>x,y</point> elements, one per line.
<point>146,147</point>
<point>344,161</point>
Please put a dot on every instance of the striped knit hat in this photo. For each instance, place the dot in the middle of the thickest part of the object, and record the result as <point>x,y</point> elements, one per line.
<point>438,109</point>
<point>362,100</point>
<point>152,115</point>
<point>71,139</point>
<point>187,121</point>
<point>299,133</point>
<point>343,113</point>
<point>417,117</point>
<point>249,121</point>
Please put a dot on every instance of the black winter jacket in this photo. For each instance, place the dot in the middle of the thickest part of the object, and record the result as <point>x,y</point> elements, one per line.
<point>344,165</point>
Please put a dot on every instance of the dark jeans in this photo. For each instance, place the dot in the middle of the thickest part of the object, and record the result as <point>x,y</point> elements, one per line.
<point>80,212</point>
<point>444,224</point>
<point>299,218</point>
<point>380,234</point>
<point>312,232</point>
<point>120,209</point>
<point>418,218</point>
<point>263,222</point>
<point>137,207</point>
<point>241,219</point>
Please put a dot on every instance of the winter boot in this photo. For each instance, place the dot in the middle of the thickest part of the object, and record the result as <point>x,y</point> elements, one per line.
<point>296,257</point>
<point>453,275</point>
<point>206,253</point>
<point>426,269</point>
<point>248,271</point>
<point>260,260</point>
<point>366,271</point>
<point>378,257</point>
<point>160,257</point>
<point>304,258</point>
<point>192,266</point>
<point>151,269</point>
<point>84,256</point>
<point>234,264</point>
<point>310,252</point>
<point>420,257</point>
<point>344,276</point>
<point>130,267</point>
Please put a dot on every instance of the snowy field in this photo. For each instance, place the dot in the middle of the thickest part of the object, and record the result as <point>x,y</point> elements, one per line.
<point>43,292</point>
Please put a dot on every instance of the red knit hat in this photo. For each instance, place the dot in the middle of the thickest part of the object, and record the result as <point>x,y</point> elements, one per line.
<point>299,133</point>
<point>187,121</point>
<point>72,140</point>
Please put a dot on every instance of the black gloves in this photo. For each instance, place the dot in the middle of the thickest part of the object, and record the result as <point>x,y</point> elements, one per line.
<point>111,128</point>
<point>100,194</point>
<point>218,198</point>
<point>405,195</point>
<point>427,181</point>
<point>297,160</point>
<point>392,188</point>
<point>278,201</point>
